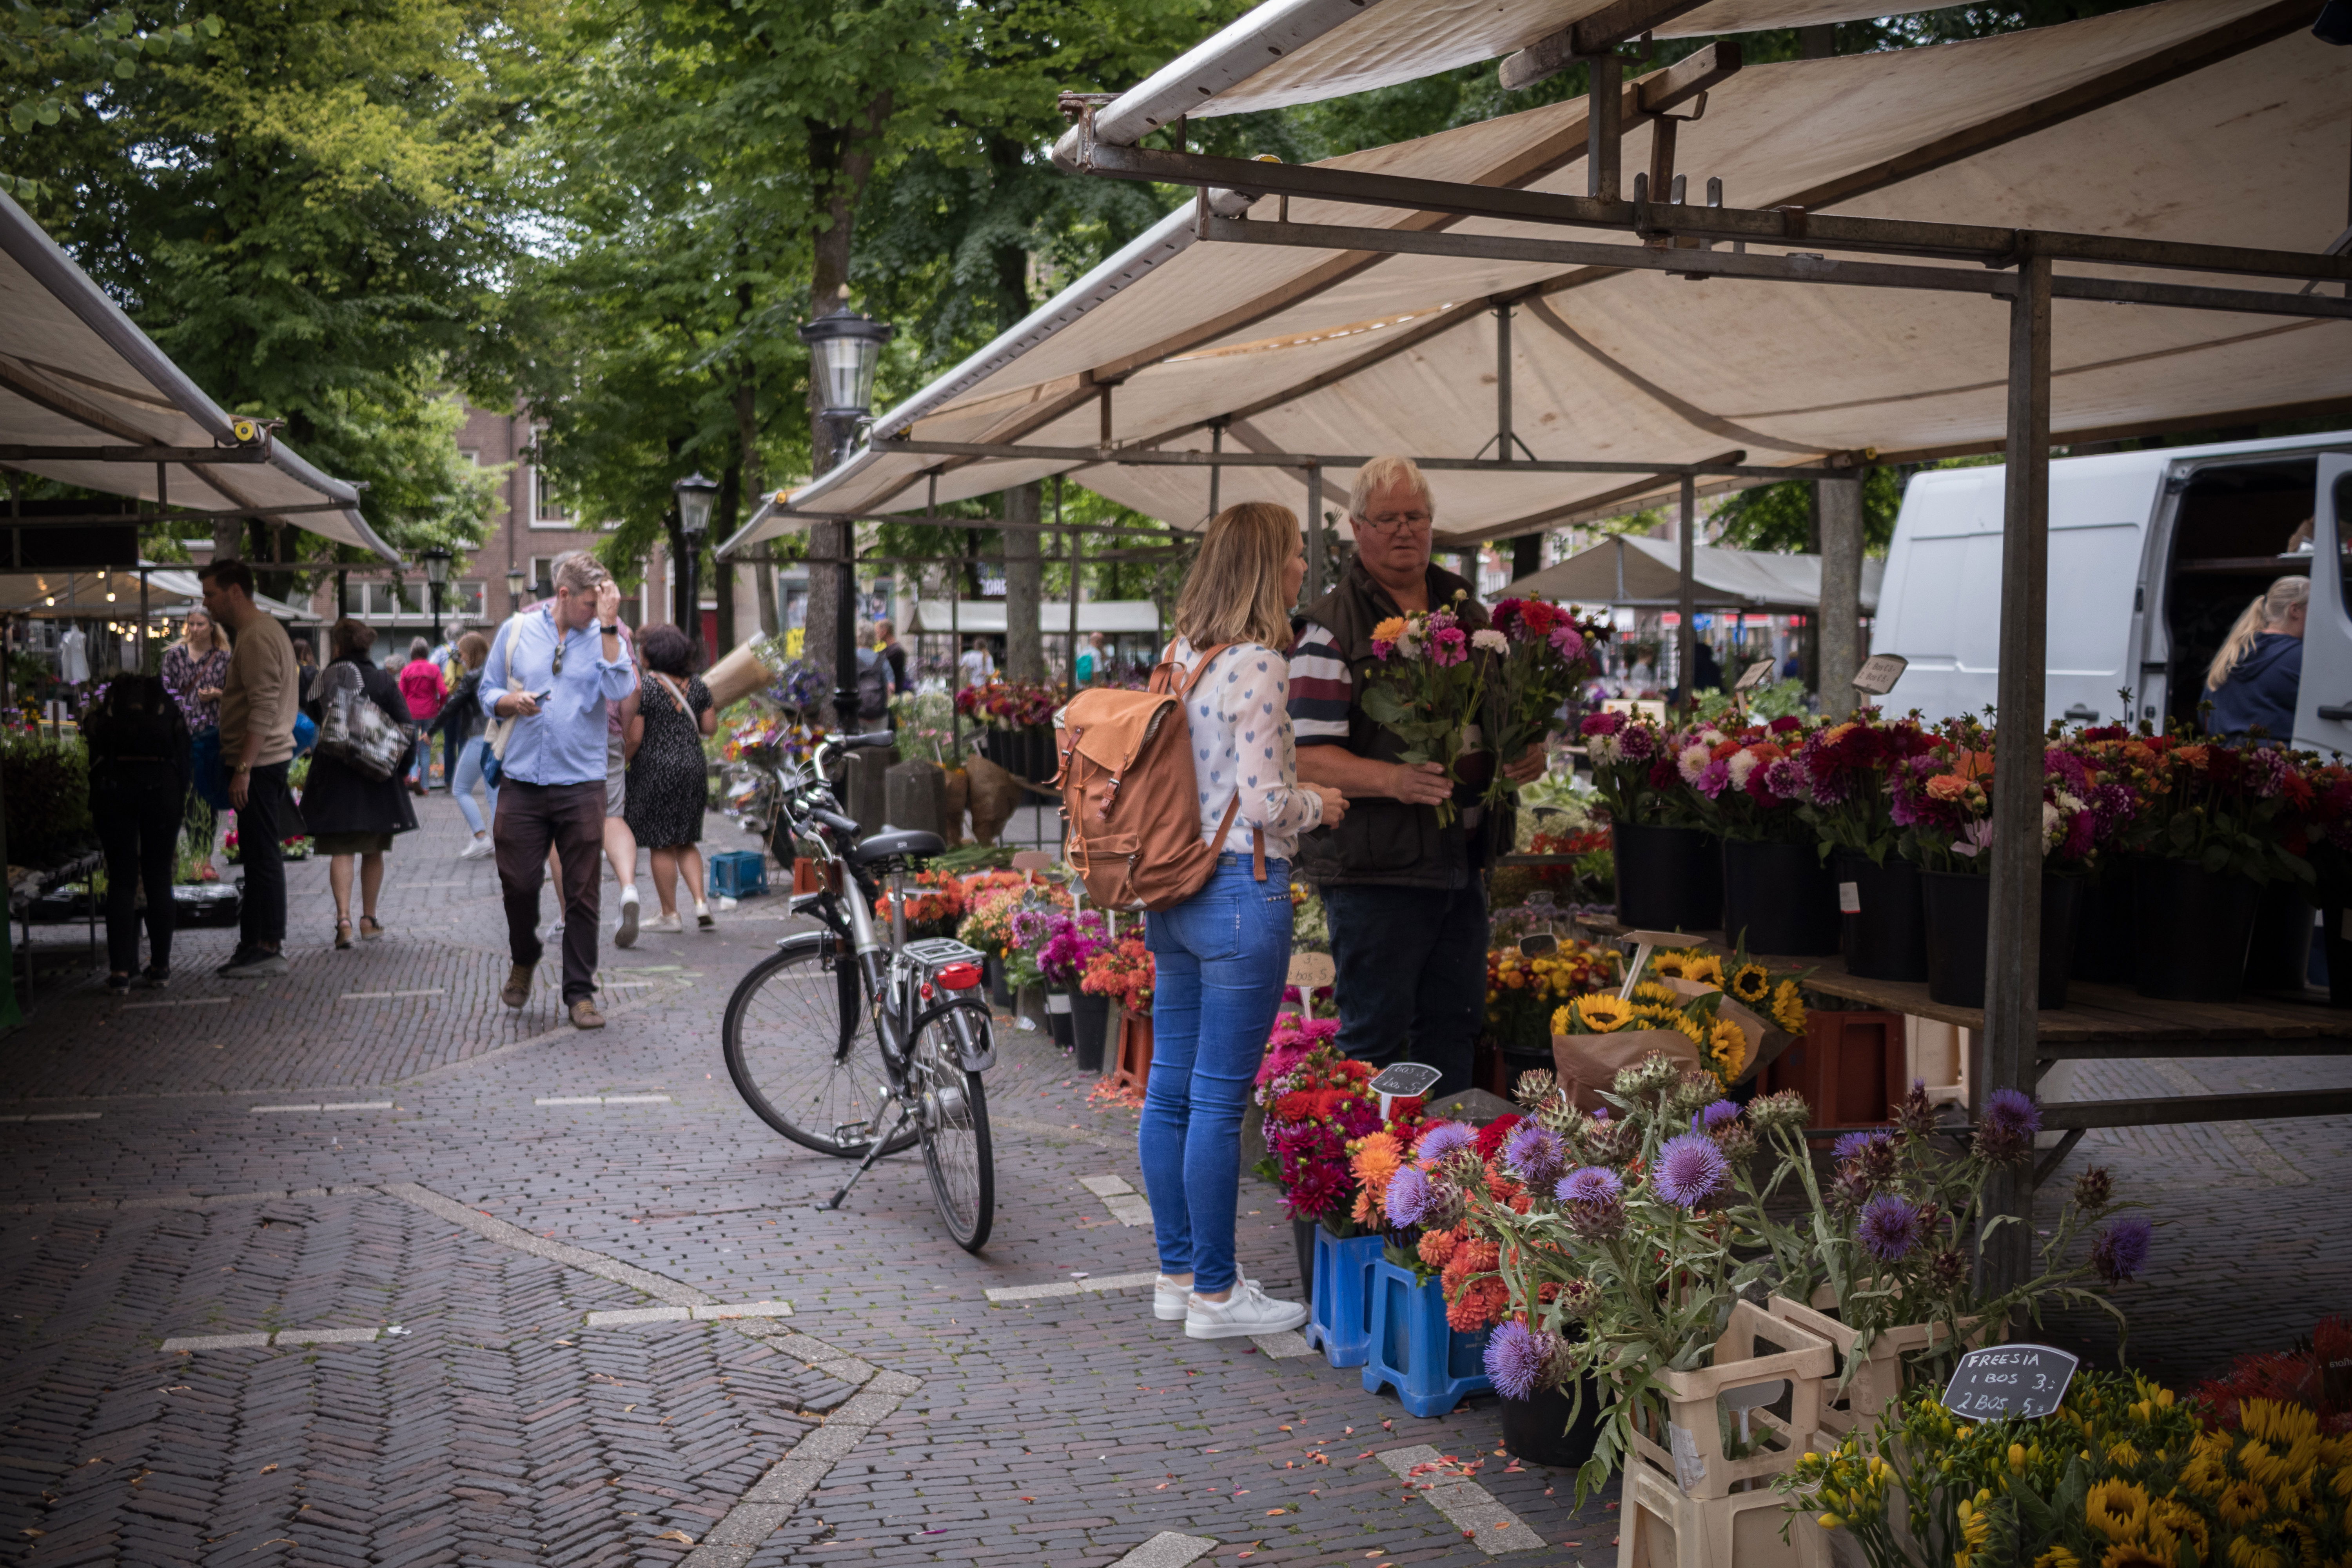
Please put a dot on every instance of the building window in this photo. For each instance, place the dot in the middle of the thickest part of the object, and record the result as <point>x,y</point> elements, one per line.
<point>462,601</point>
<point>470,456</point>
<point>546,508</point>
<point>543,569</point>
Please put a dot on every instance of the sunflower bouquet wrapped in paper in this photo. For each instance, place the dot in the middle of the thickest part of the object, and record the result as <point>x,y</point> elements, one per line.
<point>1756,1000</point>
<point>1429,686</point>
<point>1594,1036</point>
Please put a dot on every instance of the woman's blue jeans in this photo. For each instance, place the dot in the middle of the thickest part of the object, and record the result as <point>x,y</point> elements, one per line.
<point>465,775</point>
<point>1223,957</point>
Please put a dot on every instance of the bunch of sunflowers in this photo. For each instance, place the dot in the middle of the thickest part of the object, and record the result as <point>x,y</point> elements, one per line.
<point>1722,1045</point>
<point>1751,984</point>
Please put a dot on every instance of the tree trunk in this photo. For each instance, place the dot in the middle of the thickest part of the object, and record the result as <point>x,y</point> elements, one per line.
<point>764,582</point>
<point>1024,644</point>
<point>1841,606</point>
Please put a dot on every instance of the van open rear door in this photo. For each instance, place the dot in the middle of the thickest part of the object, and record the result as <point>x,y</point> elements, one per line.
<point>2323,710</point>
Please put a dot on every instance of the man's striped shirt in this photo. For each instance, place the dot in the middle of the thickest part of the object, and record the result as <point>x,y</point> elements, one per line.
<point>1321,690</point>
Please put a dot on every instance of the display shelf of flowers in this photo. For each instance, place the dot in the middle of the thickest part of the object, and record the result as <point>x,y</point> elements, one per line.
<point>1015,723</point>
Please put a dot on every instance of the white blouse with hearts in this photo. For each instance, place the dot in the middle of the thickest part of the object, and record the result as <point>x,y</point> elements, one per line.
<point>1240,718</point>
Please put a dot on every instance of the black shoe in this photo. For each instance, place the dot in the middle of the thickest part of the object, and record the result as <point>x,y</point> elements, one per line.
<point>259,964</point>
<point>243,955</point>
<point>119,984</point>
<point>155,977</point>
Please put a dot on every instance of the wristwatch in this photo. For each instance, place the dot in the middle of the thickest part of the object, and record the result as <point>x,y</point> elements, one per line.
<point>613,630</point>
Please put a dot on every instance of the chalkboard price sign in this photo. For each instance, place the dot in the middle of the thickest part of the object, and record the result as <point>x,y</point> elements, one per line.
<point>2008,1379</point>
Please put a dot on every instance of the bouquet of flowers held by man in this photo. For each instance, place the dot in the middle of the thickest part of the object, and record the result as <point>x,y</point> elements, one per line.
<point>1427,688</point>
<point>1547,653</point>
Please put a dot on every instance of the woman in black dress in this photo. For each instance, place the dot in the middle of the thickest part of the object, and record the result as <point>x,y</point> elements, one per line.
<point>139,768</point>
<point>351,814</point>
<point>669,778</point>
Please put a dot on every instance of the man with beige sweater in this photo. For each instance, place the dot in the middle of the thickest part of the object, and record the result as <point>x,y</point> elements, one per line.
<point>257,705</point>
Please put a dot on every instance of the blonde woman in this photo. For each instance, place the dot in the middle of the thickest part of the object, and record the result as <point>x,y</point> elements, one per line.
<point>195,670</point>
<point>1224,954</point>
<point>2253,682</point>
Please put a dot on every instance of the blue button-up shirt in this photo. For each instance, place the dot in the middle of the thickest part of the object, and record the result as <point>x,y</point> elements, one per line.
<point>564,742</point>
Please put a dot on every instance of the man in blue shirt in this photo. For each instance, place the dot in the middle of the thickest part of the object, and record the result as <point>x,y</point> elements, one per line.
<point>551,672</point>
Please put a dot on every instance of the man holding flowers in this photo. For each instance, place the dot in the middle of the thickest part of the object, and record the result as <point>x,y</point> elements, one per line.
<point>1407,914</point>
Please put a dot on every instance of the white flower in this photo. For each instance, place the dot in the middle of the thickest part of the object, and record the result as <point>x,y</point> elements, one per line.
<point>2054,827</point>
<point>1603,750</point>
<point>1692,761</point>
<point>1743,763</point>
<point>1490,641</point>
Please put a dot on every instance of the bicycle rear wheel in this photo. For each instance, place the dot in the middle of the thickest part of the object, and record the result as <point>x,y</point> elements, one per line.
<point>801,1056</point>
<point>954,1121</point>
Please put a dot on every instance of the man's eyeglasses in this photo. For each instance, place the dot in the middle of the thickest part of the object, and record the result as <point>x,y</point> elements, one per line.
<point>1396,522</point>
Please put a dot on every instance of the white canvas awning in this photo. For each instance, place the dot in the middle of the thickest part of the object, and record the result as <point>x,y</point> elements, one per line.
<point>1630,570</point>
<point>76,373</point>
<point>985,617</point>
<point>2186,120</point>
<point>82,595</point>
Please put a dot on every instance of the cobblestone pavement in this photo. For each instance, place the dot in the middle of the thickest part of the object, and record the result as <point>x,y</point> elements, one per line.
<point>308,1272</point>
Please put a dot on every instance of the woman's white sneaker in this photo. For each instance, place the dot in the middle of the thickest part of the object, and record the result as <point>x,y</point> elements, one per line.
<point>1249,1310</point>
<point>1168,1297</point>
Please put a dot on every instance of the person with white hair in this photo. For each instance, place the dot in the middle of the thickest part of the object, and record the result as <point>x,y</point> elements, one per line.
<point>1407,914</point>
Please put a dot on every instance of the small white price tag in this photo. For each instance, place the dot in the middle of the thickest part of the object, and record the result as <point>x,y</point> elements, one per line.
<point>1849,898</point>
<point>1057,1000</point>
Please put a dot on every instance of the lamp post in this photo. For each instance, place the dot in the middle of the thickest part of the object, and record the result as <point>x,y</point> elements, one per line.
<point>844,348</point>
<point>436,577</point>
<point>695,495</point>
<point>514,590</point>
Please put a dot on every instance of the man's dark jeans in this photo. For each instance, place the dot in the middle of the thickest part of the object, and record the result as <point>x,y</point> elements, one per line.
<point>139,810</point>
<point>268,815</point>
<point>572,818</point>
<point>1411,978</point>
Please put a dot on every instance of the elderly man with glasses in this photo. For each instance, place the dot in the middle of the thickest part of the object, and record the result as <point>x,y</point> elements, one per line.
<point>551,669</point>
<point>1407,914</point>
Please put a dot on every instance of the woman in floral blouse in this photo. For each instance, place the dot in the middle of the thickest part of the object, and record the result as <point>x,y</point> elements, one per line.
<point>195,669</point>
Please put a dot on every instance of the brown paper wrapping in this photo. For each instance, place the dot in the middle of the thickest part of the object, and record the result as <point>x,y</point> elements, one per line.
<point>1587,1064</point>
<point>1765,1040</point>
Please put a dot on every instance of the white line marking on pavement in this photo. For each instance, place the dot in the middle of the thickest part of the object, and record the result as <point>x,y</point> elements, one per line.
<point>1467,1506</point>
<point>1168,1550</point>
<point>710,1313</point>
<point>182,1002</point>
<point>1281,1346</point>
<point>1105,1187</point>
<point>1072,1287</point>
<point>57,1116</point>
<point>385,996</point>
<point>283,1337</point>
<point>342,1105</point>
<point>602,1099</point>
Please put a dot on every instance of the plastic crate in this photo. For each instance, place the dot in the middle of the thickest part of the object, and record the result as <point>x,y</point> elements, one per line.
<point>739,874</point>
<point>1433,1366</point>
<point>1339,1302</point>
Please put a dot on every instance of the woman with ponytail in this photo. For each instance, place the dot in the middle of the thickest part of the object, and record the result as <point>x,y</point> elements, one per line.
<point>2254,679</point>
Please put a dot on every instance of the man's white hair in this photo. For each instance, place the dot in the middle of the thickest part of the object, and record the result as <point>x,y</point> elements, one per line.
<point>1388,474</point>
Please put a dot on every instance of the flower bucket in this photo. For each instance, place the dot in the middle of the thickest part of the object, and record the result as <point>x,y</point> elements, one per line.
<point>1958,905</point>
<point>1883,927</point>
<point>1302,1244</point>
<point>1133,1068</point>
<point>998,992</point>
<point>2335,933</point>
<point>1537,1429</point>
<point>2106,925</point>
<point>1089,1021</point>
<point>1668,879</point>
<point>1877,1382</point>
<point>1587,1064</point>
<point>1339,1297</point>
<point>1780,897</point>
<point>1432,1365</point>
<point>2195,927</point>
<point>2278,957</point>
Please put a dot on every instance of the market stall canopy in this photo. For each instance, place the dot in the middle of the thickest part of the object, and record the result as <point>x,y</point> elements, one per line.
<point>82,595</point>
<point>1625,570</point>
<point>2190,119</point>
<point>985,617</point>
<point>84,388</point>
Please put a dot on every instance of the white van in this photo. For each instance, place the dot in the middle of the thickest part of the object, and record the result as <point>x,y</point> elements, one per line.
<point>2153,555</point>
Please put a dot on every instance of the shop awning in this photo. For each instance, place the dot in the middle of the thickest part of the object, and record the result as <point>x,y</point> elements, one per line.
<point>2190,119</point>
<point>985,617</point>
<point>86,399</point>
<point>82,595</point>
<point>1630,570</point>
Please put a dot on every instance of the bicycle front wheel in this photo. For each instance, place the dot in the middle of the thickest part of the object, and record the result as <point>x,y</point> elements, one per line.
<point>953,1114</point>
<point>800,1055</point>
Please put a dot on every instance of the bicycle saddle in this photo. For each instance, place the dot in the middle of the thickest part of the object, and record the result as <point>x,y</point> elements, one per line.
<point>898,842</point>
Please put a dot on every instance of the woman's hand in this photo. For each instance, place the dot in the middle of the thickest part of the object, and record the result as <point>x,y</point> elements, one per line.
<point>208,693</point>
<point>1335,804</point>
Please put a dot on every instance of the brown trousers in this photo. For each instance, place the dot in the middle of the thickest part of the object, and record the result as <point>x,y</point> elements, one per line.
<point>571,817</point>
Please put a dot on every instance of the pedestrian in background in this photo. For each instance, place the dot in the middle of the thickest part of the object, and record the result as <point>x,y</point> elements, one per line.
<point>886,642</point>
<point>1223,955</point>
<point>352,816</point>
<point>569,662</point>
<point>669,779</point>
<point>422,689</point>
<point>139,775</point>
<point>257,705</point>
<point>464,746</point>
<point>194,669</point>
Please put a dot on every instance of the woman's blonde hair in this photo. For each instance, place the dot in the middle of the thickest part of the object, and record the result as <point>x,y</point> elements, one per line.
<point>217,642</point>
<point>2270,607</point>
<point>1234,593</point>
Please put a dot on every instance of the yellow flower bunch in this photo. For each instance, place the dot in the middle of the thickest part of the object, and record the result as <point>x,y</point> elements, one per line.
<point>1599,1014</point>
<point>1750,983</point>
<point>1789,1007</point>
<point>1726,1052</point>
<point>1688,964</point>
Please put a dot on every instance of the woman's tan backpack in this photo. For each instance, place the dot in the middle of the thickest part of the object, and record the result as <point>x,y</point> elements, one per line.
<point>1130,797</point>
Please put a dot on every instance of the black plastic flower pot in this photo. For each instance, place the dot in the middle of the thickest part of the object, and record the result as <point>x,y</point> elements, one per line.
<point>2108,924</point>
<point>998,991</point>
<point>2334,936</point>
<point>1668,879</point>
<point>1883,929</point>
<point>1058,1016</point>
<point>1302,1242</point>
<point>2195,927</point>
<point>1778,899</point>
<point>1089,1021</point>
<point>1959,904</point>
<point>1537,1430</point>
<point>2278,956</point>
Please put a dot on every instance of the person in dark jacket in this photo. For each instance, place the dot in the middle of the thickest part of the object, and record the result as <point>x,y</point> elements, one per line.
<point>351,814</point>
<point>2254,680</point>
<point>139,775</point>
<point>463,744</point>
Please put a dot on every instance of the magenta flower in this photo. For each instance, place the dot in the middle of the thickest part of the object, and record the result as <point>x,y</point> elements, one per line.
<point>1448,647</point>
<point>1568,642</point>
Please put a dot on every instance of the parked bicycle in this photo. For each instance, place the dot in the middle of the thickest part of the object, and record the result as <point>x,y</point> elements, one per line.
<point>859,1044</point>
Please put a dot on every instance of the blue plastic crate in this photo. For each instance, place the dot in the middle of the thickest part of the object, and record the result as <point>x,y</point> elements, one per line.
<point>1339,1306</point>
<point>739,874</point>
<point>1432,1367</point>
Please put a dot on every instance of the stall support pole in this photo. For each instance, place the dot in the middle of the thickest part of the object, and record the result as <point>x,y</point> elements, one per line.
<point>1840,609</point>
<point>1687,636</point>
<point>1313,589</point>
<point>2013,941</point>
<point>1070,548</point>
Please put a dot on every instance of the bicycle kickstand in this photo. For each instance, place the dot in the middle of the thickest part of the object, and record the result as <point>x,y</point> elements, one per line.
<point>873,1153</point>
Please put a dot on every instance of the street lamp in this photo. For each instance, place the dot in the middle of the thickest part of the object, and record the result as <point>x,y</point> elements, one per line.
<point>844,348</point>
<point>514,590</point>
<point>695,495</point>
<point>436,577</point>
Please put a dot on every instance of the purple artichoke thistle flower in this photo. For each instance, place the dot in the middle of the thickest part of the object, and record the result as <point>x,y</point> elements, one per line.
<point>1690,1170</point>
<point>1444,1139</point>
<point>1891,1227</point>
<point>1515,1355</point>
<point>1535,1152</point>
<point>1409,1196</point>
<point>2120,1251</point>
<point>1593,1184</point>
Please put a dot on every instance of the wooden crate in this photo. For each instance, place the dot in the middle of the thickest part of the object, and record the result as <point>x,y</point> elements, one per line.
<point>1848,1065</point>
<point>1691,1401</point>
<point>1878,1381</point>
